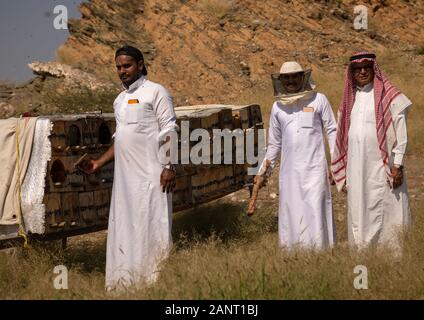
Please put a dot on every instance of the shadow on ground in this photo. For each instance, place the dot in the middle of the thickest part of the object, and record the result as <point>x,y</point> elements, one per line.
<point>227,221</point>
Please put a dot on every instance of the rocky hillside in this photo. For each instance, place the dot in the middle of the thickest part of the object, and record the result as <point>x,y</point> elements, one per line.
<point>204,49</point>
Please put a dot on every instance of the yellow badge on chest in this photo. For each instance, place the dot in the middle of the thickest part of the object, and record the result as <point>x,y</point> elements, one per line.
<point>133,101</point>
<point>308,109</point>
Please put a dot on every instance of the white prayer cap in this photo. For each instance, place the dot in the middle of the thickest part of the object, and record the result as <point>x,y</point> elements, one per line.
<point>291,67</point>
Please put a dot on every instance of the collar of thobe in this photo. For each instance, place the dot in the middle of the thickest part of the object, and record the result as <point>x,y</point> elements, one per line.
<point>367,88</point>
<point>134,86</point>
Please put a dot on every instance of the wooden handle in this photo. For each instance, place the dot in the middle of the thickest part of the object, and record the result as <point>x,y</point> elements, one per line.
<point>76,164</point>
<point>252,204</point>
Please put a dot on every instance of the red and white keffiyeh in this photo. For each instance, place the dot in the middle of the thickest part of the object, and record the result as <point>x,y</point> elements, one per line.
<point>384,93</point>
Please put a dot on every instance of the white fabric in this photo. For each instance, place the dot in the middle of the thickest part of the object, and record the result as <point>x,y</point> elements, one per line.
<point>375,211</point>
<point>33,187</point>
<point>14,132</point>
<point>139,233</point>
<point>290,99</point>
<point>399,109</point>
<point>305,209</point>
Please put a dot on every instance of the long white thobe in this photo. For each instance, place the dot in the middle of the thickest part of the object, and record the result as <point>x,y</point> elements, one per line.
<point>305,208</point>
<point>375,211</point>
<point>139,232</point>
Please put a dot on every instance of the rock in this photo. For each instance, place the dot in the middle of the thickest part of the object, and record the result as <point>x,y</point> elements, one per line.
<point>273,195</point>
<point>256,24</point>
<point>372,34</point>
<point>276,26</point>
<point>254,48</point>
<point>6,110</point>
<point>72,76</point>
<point>324,57</point>
<point>375,8</point>
<point>245,69</point>
<point>316,15</point>
<point>339,13</point>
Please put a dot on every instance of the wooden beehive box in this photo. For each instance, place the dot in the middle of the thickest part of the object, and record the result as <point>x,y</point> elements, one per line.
<point>76,203</point>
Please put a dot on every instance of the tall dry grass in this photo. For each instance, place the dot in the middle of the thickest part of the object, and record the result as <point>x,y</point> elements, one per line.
<point>234,258</point>
<point>220,254</point>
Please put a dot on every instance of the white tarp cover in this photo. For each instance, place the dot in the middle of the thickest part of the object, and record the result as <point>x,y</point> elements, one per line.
<point>35,151</point>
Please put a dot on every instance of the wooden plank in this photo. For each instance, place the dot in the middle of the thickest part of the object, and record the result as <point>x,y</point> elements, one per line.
<point>58,137</point>
<point>70,208</point>
<point>102,203</point>
<point>87,207</point>
<point>54,215</point>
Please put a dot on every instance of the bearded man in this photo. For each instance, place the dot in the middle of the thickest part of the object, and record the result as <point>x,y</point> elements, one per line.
<point>140,219</point>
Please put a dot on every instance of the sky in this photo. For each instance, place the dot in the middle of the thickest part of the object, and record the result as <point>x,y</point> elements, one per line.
<point>27,33</point>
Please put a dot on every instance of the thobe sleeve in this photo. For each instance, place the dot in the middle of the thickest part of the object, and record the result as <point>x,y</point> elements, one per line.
<point>116,110</point>
<point>165,114</point>
<point>401,136</point>
<point>399,108</point>
<point>274,140</point>
<point>329,124</point>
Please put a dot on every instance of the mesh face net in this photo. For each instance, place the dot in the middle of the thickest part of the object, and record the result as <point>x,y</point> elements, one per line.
<point>280,91</point>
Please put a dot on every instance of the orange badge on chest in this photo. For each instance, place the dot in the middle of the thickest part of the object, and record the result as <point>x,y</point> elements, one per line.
<point>308,109</point>
<point>133,101</point>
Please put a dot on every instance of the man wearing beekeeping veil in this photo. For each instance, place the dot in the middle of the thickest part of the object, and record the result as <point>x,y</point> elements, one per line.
<point>298,120</point>
<point>139,232</point>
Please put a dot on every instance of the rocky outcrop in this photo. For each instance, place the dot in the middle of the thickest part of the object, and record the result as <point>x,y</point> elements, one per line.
<point>208,51</point>
<point>6,94</point>
<point>6,110</point>
<point>72,77</point>
<point>201,49</point>
<point>6,91</point>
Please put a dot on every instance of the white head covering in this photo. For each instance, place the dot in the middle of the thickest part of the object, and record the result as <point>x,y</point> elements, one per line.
<point>308,87</point>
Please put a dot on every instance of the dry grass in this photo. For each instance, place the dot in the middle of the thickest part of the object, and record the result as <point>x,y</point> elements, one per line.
<point>235,259</point>
<point>219,254</point>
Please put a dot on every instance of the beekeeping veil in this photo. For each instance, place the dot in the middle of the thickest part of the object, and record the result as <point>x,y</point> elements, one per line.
<point>307,89</point>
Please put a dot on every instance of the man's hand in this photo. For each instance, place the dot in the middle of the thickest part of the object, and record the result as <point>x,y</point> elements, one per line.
<point>167,180</point>
<point>89,166</point>
<point>260,180</point>
<point>397,175</point>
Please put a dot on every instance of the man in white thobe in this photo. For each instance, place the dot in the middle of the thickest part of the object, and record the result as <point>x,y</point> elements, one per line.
<point>369,154</point>
<point>139,232</point>
<point>296,131</point>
